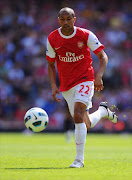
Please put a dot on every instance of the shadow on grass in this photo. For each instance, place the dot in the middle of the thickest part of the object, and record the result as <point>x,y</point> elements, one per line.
<point>38,168</point>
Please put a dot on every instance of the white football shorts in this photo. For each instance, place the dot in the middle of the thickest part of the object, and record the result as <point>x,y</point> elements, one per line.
<point>82,92</point>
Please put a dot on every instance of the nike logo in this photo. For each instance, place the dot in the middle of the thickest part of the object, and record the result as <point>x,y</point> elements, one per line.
<point>79,143</point>
<point>57,48</point>
<point>35,116</point>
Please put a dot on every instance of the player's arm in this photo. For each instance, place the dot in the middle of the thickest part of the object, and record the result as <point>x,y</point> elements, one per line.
<point>50,56</point>
<point>98,84</point>
<point>97,48</point>
<point>52,78</point>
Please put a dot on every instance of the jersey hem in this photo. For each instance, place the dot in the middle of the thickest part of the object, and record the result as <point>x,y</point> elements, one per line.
<point>66,89</point>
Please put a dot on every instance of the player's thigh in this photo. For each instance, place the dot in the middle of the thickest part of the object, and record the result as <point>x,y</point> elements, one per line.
<point>84,93</point>
<point>69,96</point>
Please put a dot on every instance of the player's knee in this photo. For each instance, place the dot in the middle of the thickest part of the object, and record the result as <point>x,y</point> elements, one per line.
<point>78,117</point>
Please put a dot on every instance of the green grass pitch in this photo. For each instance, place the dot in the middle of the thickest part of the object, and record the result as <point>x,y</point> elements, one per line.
<point>44,156</point>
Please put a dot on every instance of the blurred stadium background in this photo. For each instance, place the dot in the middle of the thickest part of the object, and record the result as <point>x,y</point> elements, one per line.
<point>24,83</point>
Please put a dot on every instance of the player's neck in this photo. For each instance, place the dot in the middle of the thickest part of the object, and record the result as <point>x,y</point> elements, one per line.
<point>67,33</point>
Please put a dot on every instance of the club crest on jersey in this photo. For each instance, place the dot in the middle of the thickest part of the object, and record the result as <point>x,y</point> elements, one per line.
<point>80,44</point>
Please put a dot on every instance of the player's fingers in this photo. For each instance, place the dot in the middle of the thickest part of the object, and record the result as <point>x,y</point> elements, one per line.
<point>58,92</point>
<point>99,88</point>
<point>55,98</point>
<point>54,95</point>
<point>58,99</point>
<point>96,87</point>
<point>102,87</point>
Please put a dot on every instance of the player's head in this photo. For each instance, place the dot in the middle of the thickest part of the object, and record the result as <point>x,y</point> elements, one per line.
<point>66,19</point>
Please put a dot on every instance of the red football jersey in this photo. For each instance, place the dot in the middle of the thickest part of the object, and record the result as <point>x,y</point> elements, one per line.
<point>72,55</point>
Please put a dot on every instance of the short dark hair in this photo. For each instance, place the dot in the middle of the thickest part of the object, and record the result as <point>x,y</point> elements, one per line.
<point>67,9</point>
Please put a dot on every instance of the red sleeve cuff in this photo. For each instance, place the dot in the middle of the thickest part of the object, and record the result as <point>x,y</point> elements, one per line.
<point>99,49</point>
<point>50,59</point>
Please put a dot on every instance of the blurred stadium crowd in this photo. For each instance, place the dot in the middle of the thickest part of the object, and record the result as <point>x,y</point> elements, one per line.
<point>24,83</point>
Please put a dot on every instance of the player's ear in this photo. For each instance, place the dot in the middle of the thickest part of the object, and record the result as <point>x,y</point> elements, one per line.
<point>74,19</point>
<point>58,19</point>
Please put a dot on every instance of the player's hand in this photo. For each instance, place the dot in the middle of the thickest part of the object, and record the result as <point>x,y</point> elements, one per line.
<point>98,84</point>
<point>55,91</point>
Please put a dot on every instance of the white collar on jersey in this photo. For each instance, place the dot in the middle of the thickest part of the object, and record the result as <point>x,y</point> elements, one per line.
<point>67,37</point>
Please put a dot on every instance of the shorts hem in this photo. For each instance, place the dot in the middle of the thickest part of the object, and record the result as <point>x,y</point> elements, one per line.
<point>78,100</point>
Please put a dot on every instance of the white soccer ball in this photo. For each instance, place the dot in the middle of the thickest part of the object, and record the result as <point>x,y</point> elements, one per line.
<point>36,119</point>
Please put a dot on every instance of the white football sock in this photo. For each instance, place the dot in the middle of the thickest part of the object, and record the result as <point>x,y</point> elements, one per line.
<point>80,139</point>
<point>97,115</point>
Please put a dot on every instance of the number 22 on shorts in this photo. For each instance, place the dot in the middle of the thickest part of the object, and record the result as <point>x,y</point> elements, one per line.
<point>84,89</point>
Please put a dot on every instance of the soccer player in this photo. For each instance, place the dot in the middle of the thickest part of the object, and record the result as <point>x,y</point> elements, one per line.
<point>69,46</point>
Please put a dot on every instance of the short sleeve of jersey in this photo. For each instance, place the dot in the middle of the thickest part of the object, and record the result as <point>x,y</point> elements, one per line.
<point>94,44</point>
<point>50,53</point>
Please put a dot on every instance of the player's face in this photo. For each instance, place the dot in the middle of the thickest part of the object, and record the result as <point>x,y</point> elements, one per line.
<point>66,21</point>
